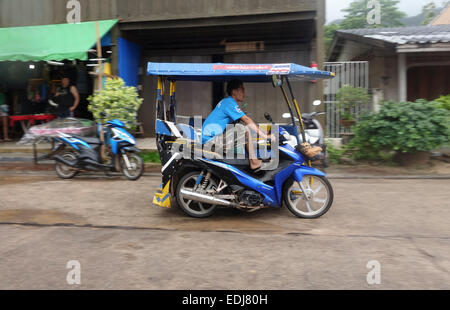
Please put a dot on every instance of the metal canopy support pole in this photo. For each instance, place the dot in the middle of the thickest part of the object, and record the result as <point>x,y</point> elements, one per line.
<point>159,98</point>
<point>302,127</point>
<point>173,103</point>
<point>163,103</point>
<point>99,79</point>
<point>35,159</point>
<point>402,77</point>
<point>292,116</point>
<point>160,105</point>
<point>99,56</point>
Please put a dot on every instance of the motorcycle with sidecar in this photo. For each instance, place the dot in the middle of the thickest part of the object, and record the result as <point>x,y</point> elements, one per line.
<point>207,179</point>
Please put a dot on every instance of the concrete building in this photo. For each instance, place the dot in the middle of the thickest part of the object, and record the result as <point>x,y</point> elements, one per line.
<point>234,31</point>
<point>405,63</point>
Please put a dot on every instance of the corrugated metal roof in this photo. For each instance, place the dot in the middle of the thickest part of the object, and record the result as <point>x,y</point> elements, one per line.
<point>405,35</point>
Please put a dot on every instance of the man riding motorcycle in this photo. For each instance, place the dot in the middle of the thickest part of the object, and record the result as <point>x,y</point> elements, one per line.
<point>227,112</point>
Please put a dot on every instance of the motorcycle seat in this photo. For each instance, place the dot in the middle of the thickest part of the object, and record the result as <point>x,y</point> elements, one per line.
<point>234,161</point>
<point>89,140</point>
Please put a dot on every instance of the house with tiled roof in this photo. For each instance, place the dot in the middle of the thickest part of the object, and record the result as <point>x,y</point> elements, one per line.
<point>405,63</point>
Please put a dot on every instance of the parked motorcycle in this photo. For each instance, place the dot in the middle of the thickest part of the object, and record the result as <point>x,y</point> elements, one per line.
<point>314,133</point>
<point>76,153</point>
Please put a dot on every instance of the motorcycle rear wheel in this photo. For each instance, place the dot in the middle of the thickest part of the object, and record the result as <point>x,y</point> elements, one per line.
<point>64,171</point>
<point>316,202</point>
<point>191,207</point>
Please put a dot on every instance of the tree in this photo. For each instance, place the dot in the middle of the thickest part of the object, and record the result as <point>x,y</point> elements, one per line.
<point>358,11</point>
<point>429,11</point>
<point>357,15</point>
<point>330,30</point>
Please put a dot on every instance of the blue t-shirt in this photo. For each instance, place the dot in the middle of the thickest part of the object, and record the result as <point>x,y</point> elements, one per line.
<point>226,112</point>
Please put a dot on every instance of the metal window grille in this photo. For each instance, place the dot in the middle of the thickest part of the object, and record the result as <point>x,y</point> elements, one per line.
<point>353,73</point>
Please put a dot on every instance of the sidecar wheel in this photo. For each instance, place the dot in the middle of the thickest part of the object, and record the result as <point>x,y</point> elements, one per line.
<point>316,202</point>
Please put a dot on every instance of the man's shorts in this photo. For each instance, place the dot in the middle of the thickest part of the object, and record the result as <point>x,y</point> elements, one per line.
<point>226,145</point>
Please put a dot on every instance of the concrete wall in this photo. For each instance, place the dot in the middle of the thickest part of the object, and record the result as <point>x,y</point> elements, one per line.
<point>14,13</point>
<point>383,75</point>
<point>40,12</point>
<point>186,9</point>
<point>193,100</point>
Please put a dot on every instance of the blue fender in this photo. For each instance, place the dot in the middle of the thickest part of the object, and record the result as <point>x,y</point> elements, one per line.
<point>131,149</point>
<point>305,170</point>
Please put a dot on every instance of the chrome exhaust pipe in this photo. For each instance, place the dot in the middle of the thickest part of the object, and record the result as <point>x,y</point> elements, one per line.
<point>205,198</point>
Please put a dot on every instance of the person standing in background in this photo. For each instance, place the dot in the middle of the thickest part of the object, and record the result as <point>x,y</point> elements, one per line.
<point>68,98</point>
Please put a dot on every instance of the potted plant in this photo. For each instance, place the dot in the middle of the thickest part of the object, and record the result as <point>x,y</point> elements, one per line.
<point>348,98</point>
<point>116,101</point>
<point>409,129</point>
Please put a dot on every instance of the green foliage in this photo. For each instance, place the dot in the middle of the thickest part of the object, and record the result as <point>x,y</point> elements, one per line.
<point>348,97</point>
<point>117,101</point>
<point>356,17</point>
<point>443,102</point>
<point>330,30</point>
<point>150,157</point>
<point>334,153</point>
<point>357,12</point>
<point>428,11</point>
<point>401,127</point>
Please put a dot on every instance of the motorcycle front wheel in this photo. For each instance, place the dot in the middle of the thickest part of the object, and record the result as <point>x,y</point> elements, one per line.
<point>135,167</point>
<point>310,199</point>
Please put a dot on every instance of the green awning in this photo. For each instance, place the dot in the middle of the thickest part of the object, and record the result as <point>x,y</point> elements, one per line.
<point>50,42</point>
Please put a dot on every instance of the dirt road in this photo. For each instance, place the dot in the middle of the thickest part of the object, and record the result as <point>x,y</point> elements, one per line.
<point>122,241</point>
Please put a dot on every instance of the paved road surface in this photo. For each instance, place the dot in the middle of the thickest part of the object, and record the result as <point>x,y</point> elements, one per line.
<point>122,241</point>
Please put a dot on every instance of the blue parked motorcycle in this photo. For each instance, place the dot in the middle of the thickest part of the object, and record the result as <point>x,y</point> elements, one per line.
<point>76,153</point>
<point>201,184</point>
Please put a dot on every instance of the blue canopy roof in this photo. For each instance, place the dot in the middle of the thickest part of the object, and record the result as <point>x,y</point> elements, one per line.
<point>224,72</point>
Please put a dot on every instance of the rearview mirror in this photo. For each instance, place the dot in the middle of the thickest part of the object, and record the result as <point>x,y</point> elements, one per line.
<point>317,102</point>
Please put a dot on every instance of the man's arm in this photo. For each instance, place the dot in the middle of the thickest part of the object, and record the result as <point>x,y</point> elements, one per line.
<point>252,125</point>
<point>74,92</point>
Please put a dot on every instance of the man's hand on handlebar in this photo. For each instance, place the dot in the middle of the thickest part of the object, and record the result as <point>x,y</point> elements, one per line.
<point>270,137</point>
